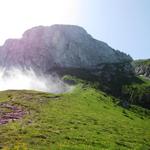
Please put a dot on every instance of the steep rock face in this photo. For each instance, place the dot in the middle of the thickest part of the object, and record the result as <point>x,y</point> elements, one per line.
<point>142,67</point>
<point>143,70</point>
<point>59,46</point>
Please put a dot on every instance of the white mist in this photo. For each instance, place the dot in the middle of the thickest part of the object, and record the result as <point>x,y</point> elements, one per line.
<point>17,79</point>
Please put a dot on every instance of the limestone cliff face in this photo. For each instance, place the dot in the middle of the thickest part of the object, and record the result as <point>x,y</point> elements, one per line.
<point>142,67</point>
<point>61,46</point>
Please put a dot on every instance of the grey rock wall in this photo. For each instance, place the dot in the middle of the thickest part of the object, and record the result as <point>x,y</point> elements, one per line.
<point>64,46</point>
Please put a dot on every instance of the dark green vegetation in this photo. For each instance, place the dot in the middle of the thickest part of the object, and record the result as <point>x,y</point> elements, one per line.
<point>84,119</point>
<point>138,92</point>
<point>114,80</point>
<point>107,78</point>
<point>142,62</point>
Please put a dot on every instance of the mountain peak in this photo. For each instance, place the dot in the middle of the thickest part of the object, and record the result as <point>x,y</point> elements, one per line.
<point>67,46</point>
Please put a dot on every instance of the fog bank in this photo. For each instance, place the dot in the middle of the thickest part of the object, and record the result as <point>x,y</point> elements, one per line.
<point>17,79</point>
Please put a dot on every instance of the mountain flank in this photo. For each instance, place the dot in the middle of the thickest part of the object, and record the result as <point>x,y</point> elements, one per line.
<point>62,46</point>
<point>108,107</point>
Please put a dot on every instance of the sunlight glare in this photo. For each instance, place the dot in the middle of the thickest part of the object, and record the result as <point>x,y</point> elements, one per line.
<point>20,15</point>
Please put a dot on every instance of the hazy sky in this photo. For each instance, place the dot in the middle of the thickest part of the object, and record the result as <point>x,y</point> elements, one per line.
<point>123,24</point>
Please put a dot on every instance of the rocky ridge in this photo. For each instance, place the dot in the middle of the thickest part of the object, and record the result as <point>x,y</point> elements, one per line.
<point>58,46</point>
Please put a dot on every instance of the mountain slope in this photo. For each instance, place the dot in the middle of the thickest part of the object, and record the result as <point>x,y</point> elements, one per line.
<point>68,49</point>
<point>83,119</point>
<point>63,46</point>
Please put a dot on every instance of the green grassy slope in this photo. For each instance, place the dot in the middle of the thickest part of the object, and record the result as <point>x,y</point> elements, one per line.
<point>85,119</point>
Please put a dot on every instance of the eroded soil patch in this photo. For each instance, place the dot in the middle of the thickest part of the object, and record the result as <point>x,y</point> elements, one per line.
<point>10,112</point>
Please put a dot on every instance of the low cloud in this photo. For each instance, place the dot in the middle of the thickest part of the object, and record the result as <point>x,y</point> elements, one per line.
<point>27,79</point>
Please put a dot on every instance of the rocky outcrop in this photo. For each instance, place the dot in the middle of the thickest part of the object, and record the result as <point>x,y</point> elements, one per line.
<point>143,70</point>
<point>142,67</point>
<point>64,46</point>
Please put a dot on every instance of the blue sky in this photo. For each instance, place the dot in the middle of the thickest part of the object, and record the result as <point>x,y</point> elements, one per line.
<point>123,24</point>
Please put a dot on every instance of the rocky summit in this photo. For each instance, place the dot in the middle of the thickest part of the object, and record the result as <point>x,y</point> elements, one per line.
<point>59,46</point>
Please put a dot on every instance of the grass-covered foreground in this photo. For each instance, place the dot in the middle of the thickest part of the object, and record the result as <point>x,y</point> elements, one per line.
<point>85,119</point>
